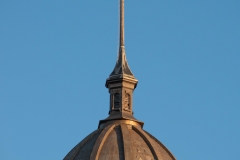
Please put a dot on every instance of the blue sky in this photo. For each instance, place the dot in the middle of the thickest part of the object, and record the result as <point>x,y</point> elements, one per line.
<point>56,55</point>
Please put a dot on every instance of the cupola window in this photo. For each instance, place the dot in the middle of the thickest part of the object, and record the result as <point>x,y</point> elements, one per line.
<point>116,100</point>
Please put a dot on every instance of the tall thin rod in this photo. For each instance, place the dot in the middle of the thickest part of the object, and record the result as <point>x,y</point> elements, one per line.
<point>121,23</point>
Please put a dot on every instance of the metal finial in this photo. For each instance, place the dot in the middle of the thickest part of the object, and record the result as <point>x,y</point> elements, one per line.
<point>121,68</point>
<point>121,23</point>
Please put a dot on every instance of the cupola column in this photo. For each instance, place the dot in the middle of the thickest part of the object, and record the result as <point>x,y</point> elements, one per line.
<point>121,95</point>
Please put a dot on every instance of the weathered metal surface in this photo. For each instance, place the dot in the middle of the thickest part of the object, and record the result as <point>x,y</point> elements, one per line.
<point>126,141</point>
<point>86,143</point>
<point>120,141</point>
<point>113,146</point>
<point>121,67</point>
<point>100,142</point>
<point>165,153</point>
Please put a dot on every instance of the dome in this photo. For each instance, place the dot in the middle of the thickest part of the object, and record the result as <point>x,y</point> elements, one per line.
<point>120,140</point>
<point>120,136</point>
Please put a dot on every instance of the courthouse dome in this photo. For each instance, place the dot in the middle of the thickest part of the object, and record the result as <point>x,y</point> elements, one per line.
<point>120,136</point>
<point>120,140</point>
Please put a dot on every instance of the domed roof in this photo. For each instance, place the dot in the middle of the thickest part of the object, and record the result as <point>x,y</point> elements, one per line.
<point>120,136</point>
<point>120,140</point>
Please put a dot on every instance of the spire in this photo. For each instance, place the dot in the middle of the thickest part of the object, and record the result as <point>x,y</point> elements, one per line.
<point>121,84</point>
<point>121,68</point>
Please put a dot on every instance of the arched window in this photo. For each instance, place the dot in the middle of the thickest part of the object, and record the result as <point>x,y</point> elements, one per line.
<point>116,100</point>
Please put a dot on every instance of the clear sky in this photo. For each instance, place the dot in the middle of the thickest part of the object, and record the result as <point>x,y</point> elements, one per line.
<point>55,56</point>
